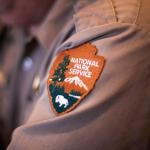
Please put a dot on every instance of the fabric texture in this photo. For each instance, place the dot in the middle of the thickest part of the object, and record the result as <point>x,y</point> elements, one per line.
<point>115,115</point>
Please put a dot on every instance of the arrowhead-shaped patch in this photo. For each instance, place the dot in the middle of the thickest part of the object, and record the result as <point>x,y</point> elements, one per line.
<point>72,76</point>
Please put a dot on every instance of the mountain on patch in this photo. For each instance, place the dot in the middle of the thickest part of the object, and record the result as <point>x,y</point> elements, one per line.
<point>78,83</point>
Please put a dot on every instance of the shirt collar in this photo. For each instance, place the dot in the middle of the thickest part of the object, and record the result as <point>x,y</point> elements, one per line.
<point>56,19</point>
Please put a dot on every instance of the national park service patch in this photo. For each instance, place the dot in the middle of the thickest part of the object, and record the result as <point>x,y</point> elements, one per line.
<point>73,76</point>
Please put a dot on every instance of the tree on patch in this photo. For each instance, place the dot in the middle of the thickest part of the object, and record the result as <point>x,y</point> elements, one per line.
<point>59,74</point>
<point>56,90</point>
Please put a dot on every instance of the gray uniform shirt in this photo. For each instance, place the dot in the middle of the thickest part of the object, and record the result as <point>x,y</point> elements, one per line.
<point>115,115</point>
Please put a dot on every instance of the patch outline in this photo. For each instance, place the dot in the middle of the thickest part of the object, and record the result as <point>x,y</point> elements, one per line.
<point>86,93</point>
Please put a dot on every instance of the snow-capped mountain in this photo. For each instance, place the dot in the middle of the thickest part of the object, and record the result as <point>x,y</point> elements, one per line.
<point>77,81</point>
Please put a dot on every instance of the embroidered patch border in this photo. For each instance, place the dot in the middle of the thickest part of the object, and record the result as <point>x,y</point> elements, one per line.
<point>73,76</point>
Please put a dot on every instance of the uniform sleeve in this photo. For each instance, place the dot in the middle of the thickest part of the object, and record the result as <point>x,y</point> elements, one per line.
<point>115,115</point>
